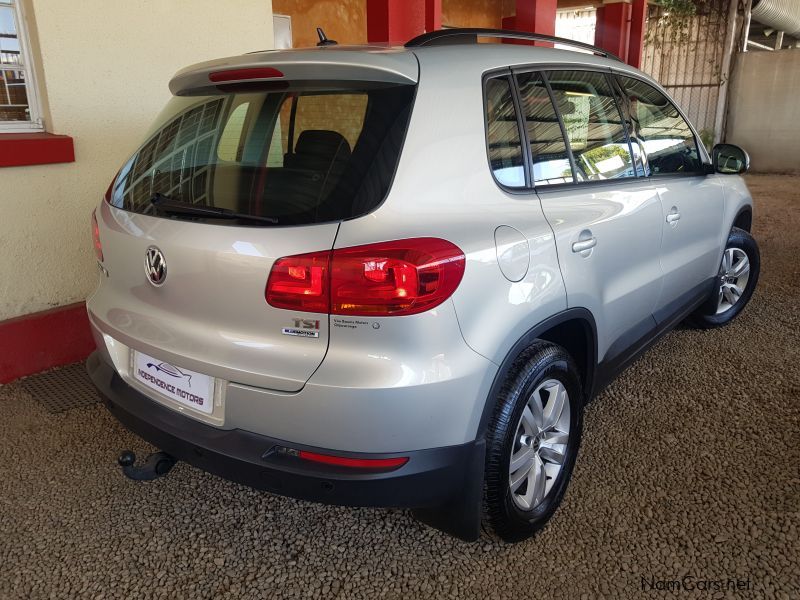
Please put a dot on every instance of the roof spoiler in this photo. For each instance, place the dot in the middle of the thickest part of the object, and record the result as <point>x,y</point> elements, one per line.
<point>303,65</point>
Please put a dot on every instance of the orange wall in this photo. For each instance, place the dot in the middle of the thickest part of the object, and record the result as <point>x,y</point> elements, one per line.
<point>346,20</point>
<point>476,13</point>
<point>343,20</point>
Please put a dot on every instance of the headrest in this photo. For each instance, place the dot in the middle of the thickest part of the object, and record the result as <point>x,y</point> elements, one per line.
<point>321,142</point>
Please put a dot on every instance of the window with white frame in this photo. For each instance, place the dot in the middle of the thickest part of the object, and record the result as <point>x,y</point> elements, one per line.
<point>19,107</point>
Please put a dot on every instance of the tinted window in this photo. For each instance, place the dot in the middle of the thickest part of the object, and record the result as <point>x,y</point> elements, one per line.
<point>298,157</point>
<point>594,127</point>
<point>668,141</point>
<point>637,146</point>
<point>548,149</point>
<point>505,148</point>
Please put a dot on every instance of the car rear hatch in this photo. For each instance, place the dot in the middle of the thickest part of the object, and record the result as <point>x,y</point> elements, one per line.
<point>249,162</point>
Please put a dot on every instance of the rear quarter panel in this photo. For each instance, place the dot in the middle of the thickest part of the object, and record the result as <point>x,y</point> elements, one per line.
<point>443,187</point>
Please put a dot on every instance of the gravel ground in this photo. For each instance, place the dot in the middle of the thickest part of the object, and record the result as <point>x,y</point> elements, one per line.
<point>690,466</point>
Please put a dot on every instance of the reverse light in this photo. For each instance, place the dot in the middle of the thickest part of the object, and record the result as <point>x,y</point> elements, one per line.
<point>401,277</point>
<point>98,246</point>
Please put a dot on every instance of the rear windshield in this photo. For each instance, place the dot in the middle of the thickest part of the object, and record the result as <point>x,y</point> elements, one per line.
<point>302,156</point>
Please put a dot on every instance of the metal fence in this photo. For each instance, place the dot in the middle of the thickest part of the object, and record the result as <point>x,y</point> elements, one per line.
<point>688,61</point>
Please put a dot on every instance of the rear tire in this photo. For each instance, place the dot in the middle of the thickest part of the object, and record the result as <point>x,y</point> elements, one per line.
<point>536,423</point>
<point>736,281</point>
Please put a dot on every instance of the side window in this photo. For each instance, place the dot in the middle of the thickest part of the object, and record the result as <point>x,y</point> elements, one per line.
<point>668,141</point>
<point>637,145</point>
<point>548,149</point>
<point>597,136</point>
<point>19,105</point>
<point>502,134</point>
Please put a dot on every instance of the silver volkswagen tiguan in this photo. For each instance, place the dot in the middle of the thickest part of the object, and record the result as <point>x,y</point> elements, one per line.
<point>394,276</point>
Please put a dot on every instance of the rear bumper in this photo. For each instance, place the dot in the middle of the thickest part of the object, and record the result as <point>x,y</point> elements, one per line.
<point>430,478</point>
<point>414,385</point>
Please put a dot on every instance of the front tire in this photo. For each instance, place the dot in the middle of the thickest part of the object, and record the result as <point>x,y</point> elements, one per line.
<point>736,282</point>
<point>532,442</point>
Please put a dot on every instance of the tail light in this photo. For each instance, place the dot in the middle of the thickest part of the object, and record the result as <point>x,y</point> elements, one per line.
<point>402,277</point>
<point>301,283</point>
<point>98,247</point>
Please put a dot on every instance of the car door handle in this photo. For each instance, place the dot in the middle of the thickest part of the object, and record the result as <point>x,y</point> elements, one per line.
<point>584,245</point>
<point>673,215</point>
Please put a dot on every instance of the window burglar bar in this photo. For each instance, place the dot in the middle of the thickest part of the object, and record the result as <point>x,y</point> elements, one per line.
<point>19,105</point>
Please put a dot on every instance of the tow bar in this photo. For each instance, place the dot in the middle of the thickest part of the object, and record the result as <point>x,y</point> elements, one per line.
<point>155,465</point>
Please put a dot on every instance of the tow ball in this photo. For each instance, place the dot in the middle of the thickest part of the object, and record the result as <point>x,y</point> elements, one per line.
<point>155,465</point>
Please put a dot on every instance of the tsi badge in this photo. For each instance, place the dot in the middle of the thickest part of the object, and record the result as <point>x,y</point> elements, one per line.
<point>303,328</point>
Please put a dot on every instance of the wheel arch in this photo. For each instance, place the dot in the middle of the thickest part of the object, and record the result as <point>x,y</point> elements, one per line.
<point>574,329</point>
<point>744,218</point>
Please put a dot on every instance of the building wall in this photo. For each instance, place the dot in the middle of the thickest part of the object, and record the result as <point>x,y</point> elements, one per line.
<point>104,68</point>
<point>346,20</point>
<point>764,111</point>
<point>343,20</point>
<point>475,13</point>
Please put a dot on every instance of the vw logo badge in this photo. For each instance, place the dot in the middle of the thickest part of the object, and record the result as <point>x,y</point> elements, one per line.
<point>155,266</point>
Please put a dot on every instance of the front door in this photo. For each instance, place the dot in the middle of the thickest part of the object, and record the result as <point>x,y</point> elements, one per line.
<point>691,201</point>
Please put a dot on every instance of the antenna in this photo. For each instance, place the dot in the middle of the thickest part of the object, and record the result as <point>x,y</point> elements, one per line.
<point>323,39</point>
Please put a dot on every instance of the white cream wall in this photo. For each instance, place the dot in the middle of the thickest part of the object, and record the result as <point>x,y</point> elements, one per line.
<point>764,109</point>
<point>105,66</point>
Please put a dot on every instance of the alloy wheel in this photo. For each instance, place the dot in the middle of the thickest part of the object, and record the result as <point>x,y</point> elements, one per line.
<point>540,444</point>
<point>734,274</point>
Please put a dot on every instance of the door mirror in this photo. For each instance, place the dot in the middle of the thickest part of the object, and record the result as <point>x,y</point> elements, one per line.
<point>729,159</point>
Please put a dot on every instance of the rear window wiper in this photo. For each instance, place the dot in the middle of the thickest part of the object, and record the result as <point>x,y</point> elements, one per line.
<point>176,207</point>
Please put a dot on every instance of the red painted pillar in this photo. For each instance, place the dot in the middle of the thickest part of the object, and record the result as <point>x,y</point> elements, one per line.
<point>636,38</point>
<point>534,16</point>
<point>433,15</point>
<point>537,16</point>
<point>398,21</point>
<point>613,27</point>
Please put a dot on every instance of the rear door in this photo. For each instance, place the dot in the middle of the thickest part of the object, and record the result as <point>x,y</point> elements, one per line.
<point>292,164</point>
<point>606,219</point>
<point>692,201</point>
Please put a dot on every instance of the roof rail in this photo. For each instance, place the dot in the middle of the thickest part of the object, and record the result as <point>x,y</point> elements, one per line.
<point>443,37</point>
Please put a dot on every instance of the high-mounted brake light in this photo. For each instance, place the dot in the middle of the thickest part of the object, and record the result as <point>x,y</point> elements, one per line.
<point>242,74</point>
<point>401,277</point>
<point>98,247</point>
